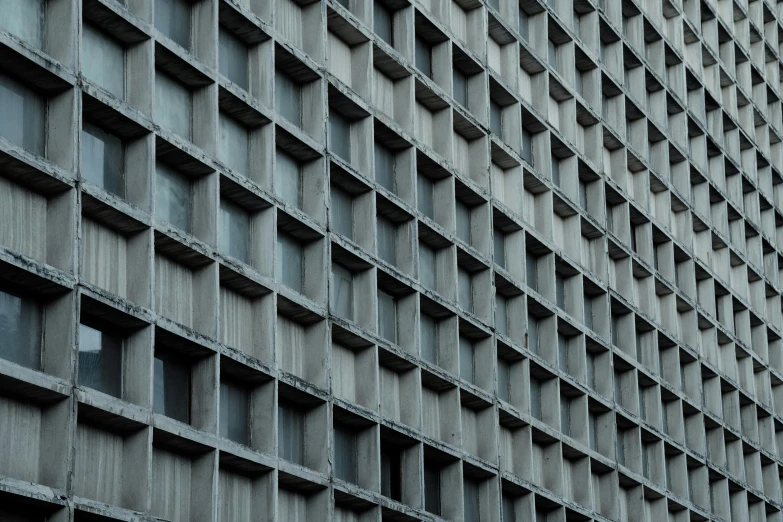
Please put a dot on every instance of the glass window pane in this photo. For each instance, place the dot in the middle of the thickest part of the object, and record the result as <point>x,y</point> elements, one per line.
<point>339,135</point>
<point>387,246</point>
<point>501,314</point>
<point>429,339</point>
<point>509,514</point>
<point>391,473</point>
<point>425,197</point>
<point>288,98</point>
<point>288,179</point>
<point>588,304</point>
<point>423,57</point>
<point>233,60</point>
<point>24,19</point>
<point>234,412</point>
<point>527,146</point>
<point>495,118</point>
<point>103,60</point>
<point>460,88</point>
<point>102,159</point>
<point>172,197</point>
<point>504,380</point>
<point>463,221</point>
<point>384,167</point>
<point>532,333</point>
<point>387,316</point>
<point>171,387</point>
<point>342,212</point>
<point>100,361</point>
<point>499,241</point>
<point>289,262</point>
<point>172,105</point>
<point>345,460</point>
<point>427,266</point>
<point>20,329</point>
<point>531,270</point>
<point>290,433</point>
<point>172,18</point>
<point>23,112</point>
<point>233,144</point>
<point>234,237</point>
<point>465,288</point>
<point>471,501</point>
<point>382,22</point>
<point>555,164</point>
<point>431,488</point>
<point>560,291</point>
<point>466,350</point>
<point>342,297</point>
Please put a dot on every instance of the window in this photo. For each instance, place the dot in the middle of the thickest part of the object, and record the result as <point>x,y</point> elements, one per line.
<point>432,488</point>
<point>463,221</point>
<point>460,87</point>
<point>387,316</point>
<point>532,333</point>
<point>173,105</point>
<point>289,261</point>
<point>531,270</point>
<point>102,159</point>
<point>387,246</point>
<point>100,360</point>
<point>527,146</point>
<point>471,504</point>
<point>523,24</point>
<point>233,144</point>
<point>234,412</point>
<point>103,60</point>
<point>423,56</point>
<point>384,167</point>
<point>429,338</point>
<point>172,196</point>
<point>342,295</point>
<point>23,113</point>
<point>509,513</point>
<point>345,461</point>
<point>555,170</point>
<point>427,266</point>
<point>466,356</point>
<point>465,289</point>
<point>234,237</point>
<point>383,22</point>
<point>495,4</point>
<point>21,323</point>
<point>588,307</point>
<point>290,433</point>
<point>565,415</point>
<point>499,243</point>
<point>340,135</point>
<point>495,118</point>
<point>342,212</point>
<point>233,59</point>
<point>24,19</point>
<point>288,98</point>
<point>504,380</point>
<point>560,290</point>
<point>501,314</point>
<point>288,179</point>
<point>425,195</point>
<point>172,18</point>
<point>391,472</point>
<point>552,53</point>
<point>535,399</point>
<point>171,396</point>
<point>582,193</point>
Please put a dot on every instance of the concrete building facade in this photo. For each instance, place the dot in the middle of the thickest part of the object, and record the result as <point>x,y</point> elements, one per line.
<point>391,260</point>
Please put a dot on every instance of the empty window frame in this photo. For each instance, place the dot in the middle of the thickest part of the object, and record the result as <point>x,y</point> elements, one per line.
<point>463,221</point>
<point>345,455</point>
<point>467,352</point>
<point>21,329</point>
<point>342,294</point>
<point>290,433</point>
<point>103,60</point>
<point>383,22</point>
<point>387,239</point>
<point>427,266</point>
<point>103,159</point>
<point>460,87</point>
<point>173,197</point>
<point>387,316</point>
<point>471,501</point>
<point>465,289</point>
<point>172,18</point>
<point>341,212</point>
<point>171,386</point>
<point>504,379</point>
<point>290,257</point>
<point>391,472</point>
<point>173,105</point>
<point>288,98</point>
<point>234,412</point>
<point>23,113</point>
<point>425,195</point>
<point>233,58</point>
<point>288,179</point>
<point>423,57</point>
<point>499,247</point>
<point>428,329</point>
<point>234,237</point>
<point>233,144</point>
<point>385,162</point>
<point>495,118</point>
<point>432,501</point>
<point>501,314</point>
<point>340,135</point>
<point>100,360</point>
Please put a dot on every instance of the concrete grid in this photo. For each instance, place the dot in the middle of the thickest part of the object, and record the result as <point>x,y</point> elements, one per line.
<point>529,268</point>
